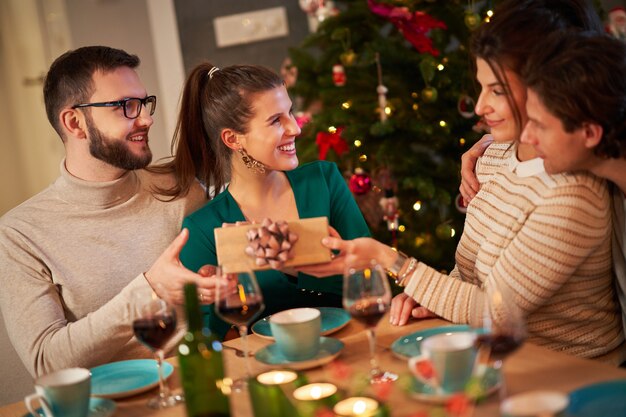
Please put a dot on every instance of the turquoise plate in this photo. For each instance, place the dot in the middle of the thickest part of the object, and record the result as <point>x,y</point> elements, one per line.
<point>98,407</point>
<point>329,349</point>
<point>489,384</point>
<point>126,378</point>
<point>333,319</point>
<point>606,399</point>
<point>408,346</point>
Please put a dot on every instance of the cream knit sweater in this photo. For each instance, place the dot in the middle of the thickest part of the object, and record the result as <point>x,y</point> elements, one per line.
<point>546,238</point>
<point>69,258</point>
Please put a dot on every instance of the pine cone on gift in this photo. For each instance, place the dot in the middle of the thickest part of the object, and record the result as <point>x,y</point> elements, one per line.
<point>272,243</point>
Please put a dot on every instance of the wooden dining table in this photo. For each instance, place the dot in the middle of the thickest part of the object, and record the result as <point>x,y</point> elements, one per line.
<point>532,367</point>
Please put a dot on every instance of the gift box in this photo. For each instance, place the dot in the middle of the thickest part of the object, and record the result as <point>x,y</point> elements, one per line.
<point>231,243</point>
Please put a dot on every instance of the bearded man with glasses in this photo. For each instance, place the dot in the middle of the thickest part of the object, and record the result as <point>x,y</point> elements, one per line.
<point>71,256</point>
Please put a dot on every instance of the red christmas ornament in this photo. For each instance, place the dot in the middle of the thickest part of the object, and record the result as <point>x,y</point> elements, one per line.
<point>617,23</point>
<point>334,141</point>
<point>339,75</point>
<point>360,182</point>
<point>466,106</point>
<point>302,118</point>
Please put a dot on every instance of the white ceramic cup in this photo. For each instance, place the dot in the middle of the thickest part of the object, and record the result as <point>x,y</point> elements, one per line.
<point>63,393</point>
<point>297,332</point>
<point>535,404</point>
<point>446,362</point>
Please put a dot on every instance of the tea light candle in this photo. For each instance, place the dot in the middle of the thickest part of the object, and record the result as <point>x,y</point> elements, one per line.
<point>277,377</point>
<point>356,406</point>
<point>314,392</point>
<point>271,393</point>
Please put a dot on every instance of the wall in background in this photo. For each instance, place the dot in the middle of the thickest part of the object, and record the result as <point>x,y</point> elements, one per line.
<point>197,36</point>
<point>91,24</point>
<point>32,34</point>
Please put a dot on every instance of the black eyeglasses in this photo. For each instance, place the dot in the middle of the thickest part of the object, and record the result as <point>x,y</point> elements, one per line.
<point>132,105</point>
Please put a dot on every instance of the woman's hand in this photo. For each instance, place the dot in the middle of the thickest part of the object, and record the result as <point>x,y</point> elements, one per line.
<point>469,183</point>
<point>359,253</point>
<point>404,307</point>
<point>207,291</point>
<point>336,266</point>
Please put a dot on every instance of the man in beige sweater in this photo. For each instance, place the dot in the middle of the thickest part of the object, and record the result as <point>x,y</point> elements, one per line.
<point>71,256</point>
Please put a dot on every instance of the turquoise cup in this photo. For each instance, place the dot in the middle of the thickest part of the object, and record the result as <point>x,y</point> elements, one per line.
<point>446,361</point>
<point>297,332</point>
<point>63,393</point>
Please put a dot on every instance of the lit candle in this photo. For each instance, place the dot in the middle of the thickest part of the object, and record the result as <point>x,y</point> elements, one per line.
<point>356,406</point>
<point>312,398</point>
<point>271,393</point>
<point>277,377</point>
<point>316,391</point>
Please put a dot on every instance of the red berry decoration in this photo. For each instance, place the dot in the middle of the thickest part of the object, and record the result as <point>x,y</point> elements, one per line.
<point>458,405</point>
<point>425,369</point>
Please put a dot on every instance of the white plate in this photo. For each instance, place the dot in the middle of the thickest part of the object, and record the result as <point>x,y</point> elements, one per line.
<point>126,378</point>
<point>329,349</point>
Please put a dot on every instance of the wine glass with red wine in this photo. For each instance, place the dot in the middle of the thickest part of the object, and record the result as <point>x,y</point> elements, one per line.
<point>154,324</point>
<point>367,297</point>
<point>239,302</point>
<point>504,327</point>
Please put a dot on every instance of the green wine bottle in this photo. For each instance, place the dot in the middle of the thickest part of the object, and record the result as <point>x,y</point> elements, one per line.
<point>201,365</point>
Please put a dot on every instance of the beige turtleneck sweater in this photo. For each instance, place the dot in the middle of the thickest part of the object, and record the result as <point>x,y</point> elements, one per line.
<point>69,259</point>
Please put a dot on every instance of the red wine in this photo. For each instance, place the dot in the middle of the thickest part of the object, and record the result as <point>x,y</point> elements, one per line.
<point>368,312</point>
<point>500,345</point>
<point>155,331</point>
<point>241,314</point>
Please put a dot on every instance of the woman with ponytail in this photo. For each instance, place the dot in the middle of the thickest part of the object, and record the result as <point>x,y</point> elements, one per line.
<point>236,134</point>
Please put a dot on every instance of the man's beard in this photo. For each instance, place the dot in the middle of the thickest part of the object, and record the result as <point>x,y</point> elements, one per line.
<point>115,152</point>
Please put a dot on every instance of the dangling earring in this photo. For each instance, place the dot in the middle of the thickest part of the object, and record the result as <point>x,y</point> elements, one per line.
<point>251,163</point>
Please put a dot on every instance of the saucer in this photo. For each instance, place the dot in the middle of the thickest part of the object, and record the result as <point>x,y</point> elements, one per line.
<point>333,319</point>
<point>406,347</point>
<point>425,393</point>
<point>605,399</point>
<point>126,378</point>
<point>98,407</point>
<point>329,350</point>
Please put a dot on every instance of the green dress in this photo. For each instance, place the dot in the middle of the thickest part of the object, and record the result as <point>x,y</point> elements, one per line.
<point>319,190</point>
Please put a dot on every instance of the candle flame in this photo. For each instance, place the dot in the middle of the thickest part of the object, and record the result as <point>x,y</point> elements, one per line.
<point>242,293</point>
<point>359,407</point>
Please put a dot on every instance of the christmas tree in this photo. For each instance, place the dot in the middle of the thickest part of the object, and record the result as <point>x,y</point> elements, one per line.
<point>384,88</point>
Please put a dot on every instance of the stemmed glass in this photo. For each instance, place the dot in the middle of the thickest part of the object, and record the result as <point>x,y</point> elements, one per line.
<point>504,327</point>
<point>239,306</point>
<point>367,297</point>
<point>154,323</point>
